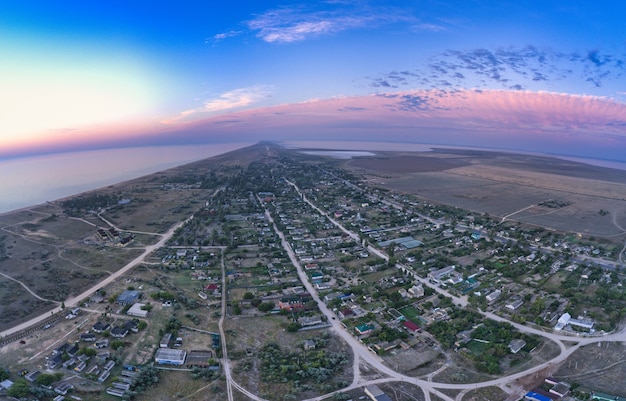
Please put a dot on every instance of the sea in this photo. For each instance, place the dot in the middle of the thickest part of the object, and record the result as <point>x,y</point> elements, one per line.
<point>31,181</point>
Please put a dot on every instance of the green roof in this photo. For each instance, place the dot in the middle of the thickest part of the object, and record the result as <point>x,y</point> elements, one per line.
<point>607,397</point>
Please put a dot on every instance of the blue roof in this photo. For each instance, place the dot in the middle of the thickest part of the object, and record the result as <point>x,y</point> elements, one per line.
<point>536,396</point>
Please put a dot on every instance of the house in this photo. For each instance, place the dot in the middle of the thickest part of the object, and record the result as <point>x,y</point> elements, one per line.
<point>492,296</point>
<point>561,389</point>
<point>103,376</point>
<point>294,302</point>
<point>514,304</point>
<point>93,370</point>
<point>132,325</point>
<point>72,350</point>
<point>403,293</point>
<point>6,384</point>
<point>101,327</point>
<point>32,376</point>
<point>410,326</point>
<point>344,313</point>
<point>63,387</point>
<point>165,340</point>
<point>416,291</point>
<point>309,344</point>
<point>438,275</point>
<point>61,349</point>
<point>534,396</point>
<point>81,366</point>
<point>119,332</point>
<point>101,343</point>
<point>364,329</point>
<point>116,392</point>
<point>375,393</point>
<point>54,362</point>
<point>137,310</point>
<point>87,337</point>
<point>516,345</point>
<point>128,297</point>
<point>109,365</point>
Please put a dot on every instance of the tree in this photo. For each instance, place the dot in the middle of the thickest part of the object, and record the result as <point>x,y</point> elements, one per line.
<point>293,326</point>
<point>45,379</point>
<point>19,389</point>
<point>266,306</point>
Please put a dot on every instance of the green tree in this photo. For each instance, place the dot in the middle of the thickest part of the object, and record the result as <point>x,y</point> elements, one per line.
<point>19,389</point>
<point>293,326</point>
<point>45,379</point>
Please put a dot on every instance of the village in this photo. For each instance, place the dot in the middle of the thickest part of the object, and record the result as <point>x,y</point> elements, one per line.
<point>166,313</point>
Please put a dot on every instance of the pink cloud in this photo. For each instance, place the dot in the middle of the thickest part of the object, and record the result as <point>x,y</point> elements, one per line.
<point>503,111</point>
<point>536,121</point>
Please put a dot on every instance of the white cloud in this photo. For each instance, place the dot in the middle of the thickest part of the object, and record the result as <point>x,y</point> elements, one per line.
<point>221,36</point>
<point>227,101</point>
<point>285,25</point>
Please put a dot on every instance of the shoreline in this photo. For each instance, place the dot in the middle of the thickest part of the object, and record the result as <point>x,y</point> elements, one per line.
<point>34,182</point>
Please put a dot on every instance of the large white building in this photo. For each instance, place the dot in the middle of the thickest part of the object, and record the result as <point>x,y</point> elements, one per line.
<point>566,319</point>
<point>168,356</point>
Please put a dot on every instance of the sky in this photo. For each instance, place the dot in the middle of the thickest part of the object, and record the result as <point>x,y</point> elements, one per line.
<point>541,76</point>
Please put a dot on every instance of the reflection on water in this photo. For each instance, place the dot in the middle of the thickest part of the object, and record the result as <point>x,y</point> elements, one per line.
<point>34,180</point>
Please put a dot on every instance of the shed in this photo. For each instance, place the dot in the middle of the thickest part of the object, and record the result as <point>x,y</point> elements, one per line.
<point>136,310</point>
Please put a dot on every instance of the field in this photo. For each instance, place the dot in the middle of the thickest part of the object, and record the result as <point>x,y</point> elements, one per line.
<point>601,366</point>
<point>52,251</point>
<point>589,200</point>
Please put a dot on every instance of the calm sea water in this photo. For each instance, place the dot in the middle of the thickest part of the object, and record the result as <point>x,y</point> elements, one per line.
<point>31,181</point>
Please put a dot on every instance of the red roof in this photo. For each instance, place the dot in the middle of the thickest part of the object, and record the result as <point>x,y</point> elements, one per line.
<point>411,326</point>
<point>211,287</point>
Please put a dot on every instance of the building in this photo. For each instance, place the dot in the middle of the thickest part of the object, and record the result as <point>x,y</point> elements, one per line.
<point>167,356</point>
<point>441,274</point>
<point>364,329</point>
<point>606,397</point>
<point>534,396</point>
<point>410,326</point>
<point>119,332</point>
<point>492,296</point>
<point>375,393</point>
<point>101,327</point>
<point>137,311</point>
<point>165,340</point>
<point>128,297</point>
<point>416,291</point>
<point>560,389</point>
<point>566,319</point>
<point>87,337</point>
<point>516,345</point>
<point>6,384</point>
<point>514,304</point>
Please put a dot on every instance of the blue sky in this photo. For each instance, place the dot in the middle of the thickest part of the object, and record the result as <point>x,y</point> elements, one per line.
<point>534,75</point>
